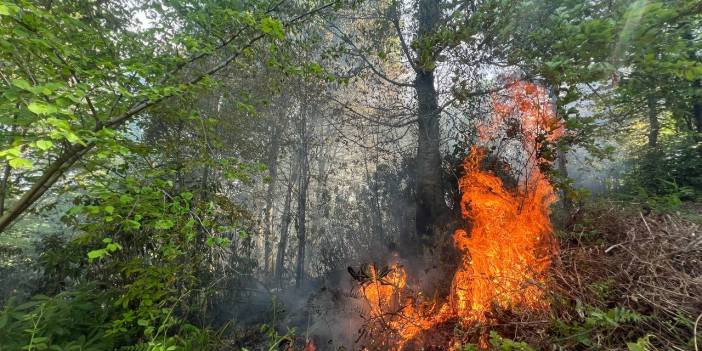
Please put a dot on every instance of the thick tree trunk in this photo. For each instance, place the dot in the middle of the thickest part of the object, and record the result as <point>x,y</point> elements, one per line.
<point>431,205</point>
<point>654,126</point>
<point>430,196</point>
<point>302,203</point>
<point>285,224</point>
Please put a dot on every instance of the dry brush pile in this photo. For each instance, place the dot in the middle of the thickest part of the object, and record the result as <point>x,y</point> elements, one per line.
<point>626,274</point>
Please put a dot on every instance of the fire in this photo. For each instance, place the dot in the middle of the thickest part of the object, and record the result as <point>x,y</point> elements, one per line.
<point>507,252</point>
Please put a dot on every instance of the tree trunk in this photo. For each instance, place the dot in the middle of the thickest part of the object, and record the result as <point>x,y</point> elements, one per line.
<point>302,202</point>
<point>654,126</point>
<point>562,155</point>
<point>321,195</point>
<point>285,224</point>
<point>374,201</point>
<point>431,206</point>
<point>273,152</point>
<point>696,86</point>
<point>563,171</point>
<point>4,187</point>
<point>49,177</point>
<point>697,104</point>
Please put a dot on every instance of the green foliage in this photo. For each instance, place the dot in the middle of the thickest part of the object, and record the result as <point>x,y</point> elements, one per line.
<point>500,343</point>
<point>642,344</point>
<point>595,325</point>
<point>141,247</point>
<point>75,76</point>
<point>665,176</point>
<point>79,320</point>
<point>72,320</point>
<point>504,344</point>
<point>275,339</point>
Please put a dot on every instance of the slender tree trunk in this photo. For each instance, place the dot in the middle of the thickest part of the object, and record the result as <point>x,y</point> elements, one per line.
<point>654,126</point>
<point>696,86</point>
<point>321,204</point>
<point>562,155</point>
<point>431,205</point>
<point>48,178</point>
<point>4,187</point>
<point>374,202</point>
<point>697,104</point>
<point>302,202</point>
<point>179,179</point>
<point>285,224</point>
<point>563,170</point>
<point>273,153</point>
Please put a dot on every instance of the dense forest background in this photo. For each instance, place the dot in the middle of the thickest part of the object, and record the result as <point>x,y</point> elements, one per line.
<point>199,175</point>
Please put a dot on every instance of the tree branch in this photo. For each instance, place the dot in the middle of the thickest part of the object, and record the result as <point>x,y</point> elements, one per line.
<point>58,167</point>
<point>405,49</point>
<point>363,57</point>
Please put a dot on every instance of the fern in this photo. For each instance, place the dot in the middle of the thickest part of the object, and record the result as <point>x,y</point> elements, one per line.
<point>596,323</point>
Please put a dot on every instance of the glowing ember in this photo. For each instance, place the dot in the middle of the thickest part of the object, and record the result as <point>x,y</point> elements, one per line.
<point>508,249</point>
<point>310,346</point>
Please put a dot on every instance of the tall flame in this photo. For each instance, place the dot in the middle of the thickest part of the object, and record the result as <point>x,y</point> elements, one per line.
<point>507,252</point>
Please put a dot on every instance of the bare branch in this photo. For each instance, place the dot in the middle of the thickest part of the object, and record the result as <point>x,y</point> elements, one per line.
<point>363,57</point>
<point>405,49</point>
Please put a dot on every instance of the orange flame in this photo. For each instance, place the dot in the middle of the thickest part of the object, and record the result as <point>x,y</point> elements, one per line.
<point>505,256</point>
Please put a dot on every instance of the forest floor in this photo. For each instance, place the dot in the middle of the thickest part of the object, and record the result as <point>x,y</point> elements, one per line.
<point>626,278</point>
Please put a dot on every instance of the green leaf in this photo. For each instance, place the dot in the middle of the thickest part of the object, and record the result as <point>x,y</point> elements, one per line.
<point>187,196</point>
<point>130,223</point>
<point>315,68</point>
<point>272,27</point>
<point>14,151</point>
<point>49,88</point>
<point>21,163</point>
<point>45,144</point>
<point>109,209</point>
<point>634,347</point>
<point>73,138</point>
<point>125,199</point>
<point>21,83</point>
<point>59,123</point>
<point>163,224</point>
<point>112,247</point>
<point>97,254</point>
<point>42,108</point>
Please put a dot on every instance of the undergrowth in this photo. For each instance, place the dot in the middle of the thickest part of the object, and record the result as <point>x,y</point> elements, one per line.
<point>628,277</point>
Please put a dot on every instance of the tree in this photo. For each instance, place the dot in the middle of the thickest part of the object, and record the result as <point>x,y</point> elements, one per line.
<point>76,86</point>
<point>458,37</point>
